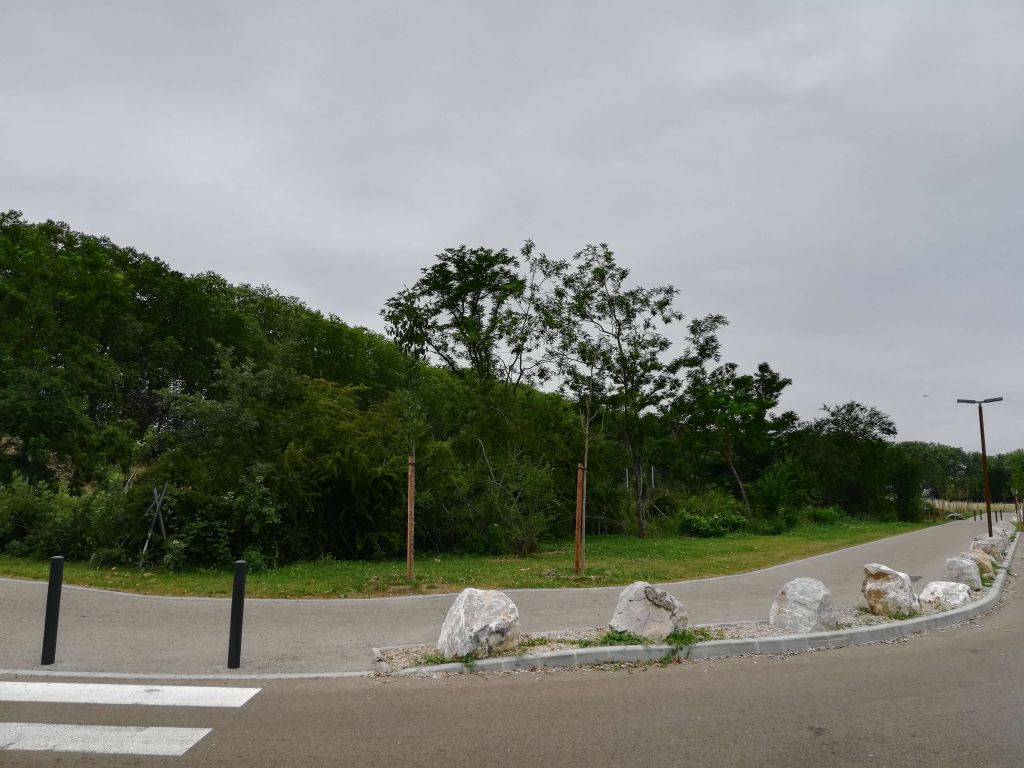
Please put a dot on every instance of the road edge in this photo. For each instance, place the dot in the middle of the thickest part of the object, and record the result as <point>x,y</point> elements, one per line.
<point>609,654</point>
<point>711,649</point>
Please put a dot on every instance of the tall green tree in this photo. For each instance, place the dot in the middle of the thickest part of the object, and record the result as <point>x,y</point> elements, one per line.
<point>64,306</point>
<point>476,311</point>
<point>735,415</point>
<point>622,355</point>
<point>847,450</point>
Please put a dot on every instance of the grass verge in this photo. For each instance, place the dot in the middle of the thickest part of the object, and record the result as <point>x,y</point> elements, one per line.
<point>611,560</point>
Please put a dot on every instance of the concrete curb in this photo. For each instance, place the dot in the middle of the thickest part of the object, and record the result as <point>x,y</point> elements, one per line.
<point>716,648</point>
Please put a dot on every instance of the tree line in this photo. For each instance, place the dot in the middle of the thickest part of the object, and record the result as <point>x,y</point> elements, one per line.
<point>283,434</point>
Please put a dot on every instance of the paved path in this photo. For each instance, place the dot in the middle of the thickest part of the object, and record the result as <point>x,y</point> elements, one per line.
<point>950,698</point>
<point>135,634</point>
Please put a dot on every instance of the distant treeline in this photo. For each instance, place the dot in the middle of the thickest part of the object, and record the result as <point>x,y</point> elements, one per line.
<point>283,434</point>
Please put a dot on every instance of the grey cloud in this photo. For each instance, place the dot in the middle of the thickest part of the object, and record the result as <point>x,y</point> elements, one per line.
<point>841,180</point>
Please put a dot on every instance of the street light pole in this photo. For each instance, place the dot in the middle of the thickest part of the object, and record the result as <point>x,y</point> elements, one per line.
<point>984,456</point>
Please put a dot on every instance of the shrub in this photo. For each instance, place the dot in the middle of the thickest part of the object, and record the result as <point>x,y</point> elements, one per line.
<point>95,525</point>
<point>788,518</point>
<point>785,485</point>
<point>255,520</point>
<point>613,637</point>
<point>714,513</point>
<point>62,529</point>
<point>705,515</point>
<point>662,512</point>
<point>824,516</point>
<point>710,526</point>
<point>256,561</point>
<point>175,554</point>
<point>199,531</point>
<point>23,505</point>
<point>506,504</point>
<point>693,635</point>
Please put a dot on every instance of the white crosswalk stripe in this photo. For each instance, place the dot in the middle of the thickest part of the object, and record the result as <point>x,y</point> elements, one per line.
<point>99,739</point>
<point>112,739</point>
<point>105,693</point>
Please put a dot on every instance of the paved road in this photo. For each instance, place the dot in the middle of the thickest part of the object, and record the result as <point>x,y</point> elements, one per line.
<point>948,698</point>
<point>116,632</point>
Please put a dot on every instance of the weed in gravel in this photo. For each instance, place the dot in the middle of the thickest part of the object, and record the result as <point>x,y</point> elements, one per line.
<point>874,618</point>
<point>533,642</point>
<point>692,635</point>
<point>678,639</point>
<point>430,660</point>
<point>433,659</point>
<point>613,637</point>
<point>905,616</point>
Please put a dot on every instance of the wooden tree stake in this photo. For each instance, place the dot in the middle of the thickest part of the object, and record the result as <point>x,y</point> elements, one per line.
<point>410,516</point>
<point>579,519</point>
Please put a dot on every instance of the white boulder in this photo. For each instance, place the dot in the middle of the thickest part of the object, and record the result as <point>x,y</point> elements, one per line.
<point>994,557</point>
<point>945,595</point>
<point>888,592</point>
<point>993,546</point>
<point>981,559</point>
<point>962,570</point>
<point>803,605</point>
<point>648,611</point>
<point>479,623</point>
<point>1008,529</point>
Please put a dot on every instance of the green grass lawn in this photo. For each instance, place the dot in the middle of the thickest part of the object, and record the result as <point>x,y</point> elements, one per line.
<point>611,560</point>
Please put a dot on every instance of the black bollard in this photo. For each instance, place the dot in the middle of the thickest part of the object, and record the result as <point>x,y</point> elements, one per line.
<point>237,603</point>
<point>52,609</point>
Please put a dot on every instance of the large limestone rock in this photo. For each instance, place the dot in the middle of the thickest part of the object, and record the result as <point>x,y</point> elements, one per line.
<point>993,546</point>
<point>992,555</point>
<point>962,570</point>
<point>1008,529</point>
<point>981,559</point>
<point>803,605</point>
<point>648,611</point>
<point>888,592</point>
<point>479,623</point>
<point>945,595</point>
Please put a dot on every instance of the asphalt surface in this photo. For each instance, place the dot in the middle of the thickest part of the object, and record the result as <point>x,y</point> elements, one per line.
<point>945,698</point>
<point>130,634</point>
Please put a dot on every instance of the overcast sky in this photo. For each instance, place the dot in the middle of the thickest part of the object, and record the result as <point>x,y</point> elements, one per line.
<point>841,180</point>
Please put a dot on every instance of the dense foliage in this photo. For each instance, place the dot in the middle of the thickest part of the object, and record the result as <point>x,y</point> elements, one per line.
<point>283,434</point>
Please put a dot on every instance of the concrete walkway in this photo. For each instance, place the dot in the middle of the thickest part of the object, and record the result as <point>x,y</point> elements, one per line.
<point>135,634</point>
